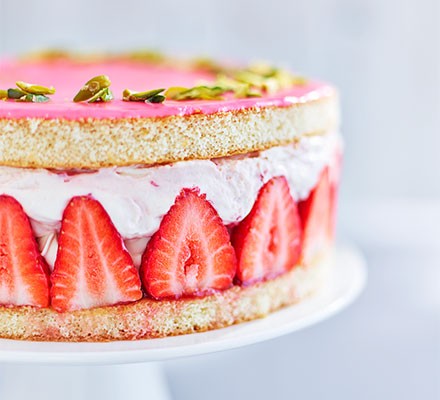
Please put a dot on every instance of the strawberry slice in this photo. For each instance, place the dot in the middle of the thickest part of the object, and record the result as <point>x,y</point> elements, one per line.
<point>316,218</point>
<point>24,276</point>
<point>334,179</point>
<point>268,240</point>
<point>191,253</point>
<point>92,268</point>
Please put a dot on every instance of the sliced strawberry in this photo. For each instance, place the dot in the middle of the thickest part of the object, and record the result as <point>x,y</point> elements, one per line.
<point>315,217</point>
<point>191,253</point>
<point>23,273</point>
<point>334,178</point>
<point>92,268</point>
<point>268,240</point>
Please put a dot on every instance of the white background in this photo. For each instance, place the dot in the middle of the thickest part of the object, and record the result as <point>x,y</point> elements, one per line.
<point>384,55</point>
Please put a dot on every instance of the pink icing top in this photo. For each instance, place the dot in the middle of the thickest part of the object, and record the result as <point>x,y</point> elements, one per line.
<point>68,77</point>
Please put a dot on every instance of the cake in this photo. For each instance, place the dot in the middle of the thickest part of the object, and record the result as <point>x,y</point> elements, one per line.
<point>144,197</point>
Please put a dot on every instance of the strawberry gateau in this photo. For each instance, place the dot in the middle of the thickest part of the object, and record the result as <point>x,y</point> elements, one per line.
<point>144,197</point>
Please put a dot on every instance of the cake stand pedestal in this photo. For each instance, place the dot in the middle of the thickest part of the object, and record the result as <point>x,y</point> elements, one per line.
<point>109,382</point>
<point>109,370</point>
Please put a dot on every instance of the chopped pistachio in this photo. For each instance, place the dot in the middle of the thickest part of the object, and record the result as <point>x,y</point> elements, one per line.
<point>48,55</point>
<point>174,91</point>
<point>268,78</point>
<point>93,87</point>
<point>283,78</point>
<point>208,65</point>
<point>34,98</point>
<point>3,94</point>
<point>247,91</point>
<point>35,89</point>
<point>251,78</point>
<point>261,68</point>
<point>39,98</point>
<point>299,81</point>
<point>197,93</point>
<point>148,56</point>
<point>240,89</point>
<point>228,83</point>
<point>129,95</point>
<point>15,94</point>
<point>19,95</point>
<point>159,98</point>
<point>104,95</point>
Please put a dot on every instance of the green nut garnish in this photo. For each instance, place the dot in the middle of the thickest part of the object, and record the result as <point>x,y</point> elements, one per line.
<point>251,78</point>
<point>196,93</point>
<point>34,98</point>
<point>20,95</point>
<point>94,90</point>
<point>208,65</point>
<point>240,89</point>
<point>159,98</point>
<point>268,78</point>
<point>35,89</point>
<point>103,95</point>
<point>3,94</point>
<point>148,56</point>
<point>174,91</point>
<point>150,96</point>
<point>299,81</point>
<point>15,94</point>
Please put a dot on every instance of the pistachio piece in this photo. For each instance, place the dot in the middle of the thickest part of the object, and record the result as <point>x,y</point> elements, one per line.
<point>240,89</point>
<point>299,81</point>
<point>159,98</point>
<point>15,94</point>
<point>34,98</point>
<point>3,94</point>
<point>208,65</point>
<point>251,78</point>
<point>261,68</point>
<point>48,55</point>
<point>35,89</point>
<point>148,56</point>
<point>174,91</point>
<point>92,88</point>
<point>247,91</point>
<point>129,95</point>
<point>230,84</point>
<point>19,95</point>
<point>196,93</point>
<point>103,95</point>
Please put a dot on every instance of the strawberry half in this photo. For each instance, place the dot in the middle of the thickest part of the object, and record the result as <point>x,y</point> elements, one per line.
<point>191,253</point>
<point>92,268</point>
<point>23,273</point>
<point>334,179</point>
<point>268,240</point>
<point>316,218</point>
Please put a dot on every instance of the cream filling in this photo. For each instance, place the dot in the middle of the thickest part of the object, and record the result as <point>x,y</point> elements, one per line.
<point>137,197</point>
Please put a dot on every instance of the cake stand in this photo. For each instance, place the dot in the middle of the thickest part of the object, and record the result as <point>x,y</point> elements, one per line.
<point>127,369</point>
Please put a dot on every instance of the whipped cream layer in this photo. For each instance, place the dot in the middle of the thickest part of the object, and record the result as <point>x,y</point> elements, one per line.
<point>68,77</point>
<point>137,198</point>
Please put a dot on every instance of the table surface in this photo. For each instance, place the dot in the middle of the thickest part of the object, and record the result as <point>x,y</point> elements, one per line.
<point>385,346</point>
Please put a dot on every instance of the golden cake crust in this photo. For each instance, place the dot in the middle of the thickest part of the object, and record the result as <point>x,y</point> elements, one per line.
<point>95,143</point>
<point>149,318</point>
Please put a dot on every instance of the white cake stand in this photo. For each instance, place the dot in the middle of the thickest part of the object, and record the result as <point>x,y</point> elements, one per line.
<point>48,369</point>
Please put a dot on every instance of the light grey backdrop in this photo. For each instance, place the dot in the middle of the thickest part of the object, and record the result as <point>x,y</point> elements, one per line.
<point>382,54</point>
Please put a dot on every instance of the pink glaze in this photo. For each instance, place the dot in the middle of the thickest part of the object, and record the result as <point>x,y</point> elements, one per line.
<point>68,77</point>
